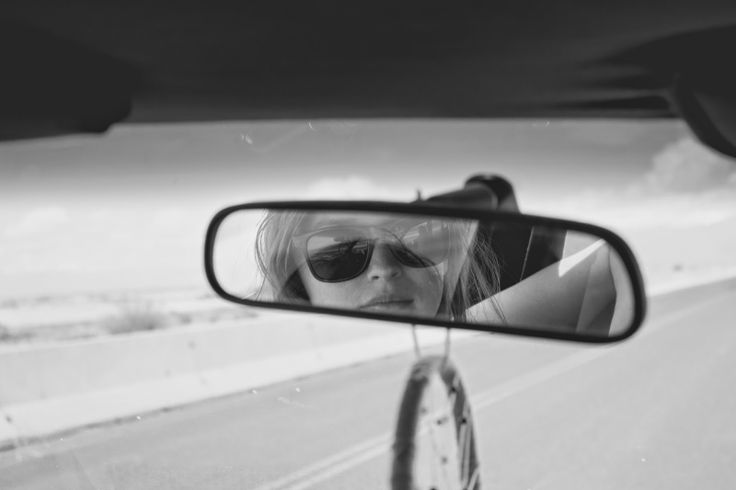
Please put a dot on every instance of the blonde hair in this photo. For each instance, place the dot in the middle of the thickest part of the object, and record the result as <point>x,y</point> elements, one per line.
<point>274,258</point>
<point>477,277</point>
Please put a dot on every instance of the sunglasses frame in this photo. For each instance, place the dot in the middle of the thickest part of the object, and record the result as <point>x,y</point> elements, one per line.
<point>441,211</point>
<point>303,242</point>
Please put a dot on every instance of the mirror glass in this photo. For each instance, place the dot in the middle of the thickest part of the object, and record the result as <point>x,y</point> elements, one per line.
<point>505,273</point>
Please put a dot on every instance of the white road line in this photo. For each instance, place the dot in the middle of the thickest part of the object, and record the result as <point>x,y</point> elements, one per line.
<point>344,460</point>
<point>342,467</point>
<point>324,469</point>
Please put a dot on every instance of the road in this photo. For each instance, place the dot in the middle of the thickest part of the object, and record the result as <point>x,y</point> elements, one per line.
<point>657,411</point>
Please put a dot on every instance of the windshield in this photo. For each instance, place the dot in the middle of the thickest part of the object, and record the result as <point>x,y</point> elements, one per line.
<point>122,369</point>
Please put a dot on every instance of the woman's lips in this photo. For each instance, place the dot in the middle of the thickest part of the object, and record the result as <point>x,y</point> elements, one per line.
<point>388,303</point>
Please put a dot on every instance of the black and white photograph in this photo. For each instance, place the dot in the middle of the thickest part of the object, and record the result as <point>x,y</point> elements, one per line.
<point>403,245</point>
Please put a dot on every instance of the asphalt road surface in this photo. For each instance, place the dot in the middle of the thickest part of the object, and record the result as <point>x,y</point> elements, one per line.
<point>657,411</point>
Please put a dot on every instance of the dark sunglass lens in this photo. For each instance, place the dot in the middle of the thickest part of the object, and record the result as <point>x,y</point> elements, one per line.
<point>334,258</point>
<point>424,244</point>
<point>408,258</point>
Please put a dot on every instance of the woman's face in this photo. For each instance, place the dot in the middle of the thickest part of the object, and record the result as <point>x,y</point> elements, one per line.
<point>386,285</point>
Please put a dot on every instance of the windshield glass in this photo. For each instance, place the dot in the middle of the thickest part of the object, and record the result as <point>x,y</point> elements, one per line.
<point>122,369</point>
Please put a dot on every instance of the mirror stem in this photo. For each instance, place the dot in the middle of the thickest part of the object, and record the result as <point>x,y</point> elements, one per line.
<point>417,351</point>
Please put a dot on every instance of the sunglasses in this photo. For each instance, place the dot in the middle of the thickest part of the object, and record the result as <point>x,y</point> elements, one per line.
<point>342,253</point>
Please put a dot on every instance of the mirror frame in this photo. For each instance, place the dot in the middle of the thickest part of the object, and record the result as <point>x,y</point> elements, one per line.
<point>441,210</point>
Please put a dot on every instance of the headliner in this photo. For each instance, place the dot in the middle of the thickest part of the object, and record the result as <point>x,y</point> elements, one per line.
<point>80,66</point>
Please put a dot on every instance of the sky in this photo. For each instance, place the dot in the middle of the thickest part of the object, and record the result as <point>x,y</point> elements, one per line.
<point>128,210</point>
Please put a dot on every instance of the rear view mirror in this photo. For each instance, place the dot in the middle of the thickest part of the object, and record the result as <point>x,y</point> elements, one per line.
<point>428,264</point>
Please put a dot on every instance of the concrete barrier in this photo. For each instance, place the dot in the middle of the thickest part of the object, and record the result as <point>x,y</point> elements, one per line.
<point>47,389</point>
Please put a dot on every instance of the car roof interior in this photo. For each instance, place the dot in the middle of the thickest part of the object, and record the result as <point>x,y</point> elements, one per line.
<point>81,66</point>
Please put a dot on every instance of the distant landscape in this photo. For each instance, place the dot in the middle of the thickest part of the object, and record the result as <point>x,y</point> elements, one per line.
<point>58,318</point>
<point>84,316</point>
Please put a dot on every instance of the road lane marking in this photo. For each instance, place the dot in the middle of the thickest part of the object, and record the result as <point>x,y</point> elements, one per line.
<point>343,461</point>
<point>344,466</point>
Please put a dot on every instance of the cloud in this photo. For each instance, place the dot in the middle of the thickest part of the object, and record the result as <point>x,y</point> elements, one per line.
<point>351,187</point>
<point>685,166</point>
<point>640,212</point>
<point>39,220</point>
<point>686,185</point>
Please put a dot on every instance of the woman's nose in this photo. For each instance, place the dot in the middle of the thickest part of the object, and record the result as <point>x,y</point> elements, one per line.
<point>383,264</point>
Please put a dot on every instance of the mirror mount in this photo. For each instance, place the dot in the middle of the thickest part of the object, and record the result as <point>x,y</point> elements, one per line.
<point>484,191</point>
<point>522,251</point>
